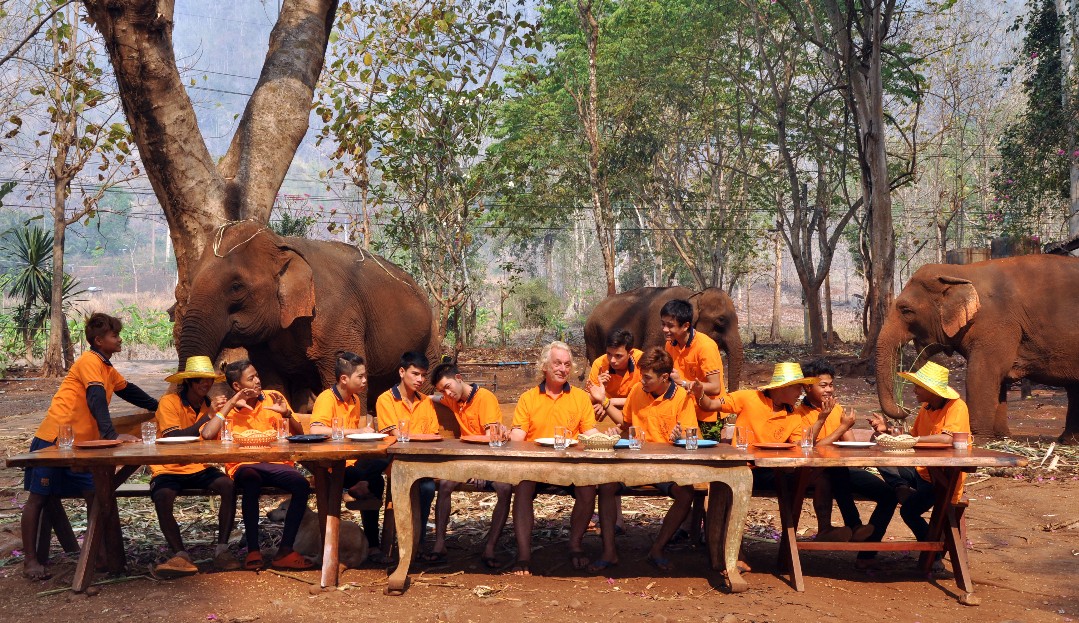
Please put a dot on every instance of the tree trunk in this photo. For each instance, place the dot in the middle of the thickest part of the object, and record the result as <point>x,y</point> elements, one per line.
<point>829,341</point>
<point>1069,45</point>
<point>53,366</point>
<point>814,316</point>
<point>777,291</point>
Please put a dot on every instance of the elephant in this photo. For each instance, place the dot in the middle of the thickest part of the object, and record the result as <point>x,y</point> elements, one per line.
<point>294,303</point>
<point>1011,318</point>
<point>638,312</point>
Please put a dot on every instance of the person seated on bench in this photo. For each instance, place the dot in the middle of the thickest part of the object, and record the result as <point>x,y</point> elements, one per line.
<point>831,423</point>
<point>257,409</point>
<point>404,403</point>
<point>363,478</point>
<point>662,410</point>
<point>942,413</point>
<point>475,408</point>
<point>81,403</point>
<point>552,403</point>
<point>184,413</point>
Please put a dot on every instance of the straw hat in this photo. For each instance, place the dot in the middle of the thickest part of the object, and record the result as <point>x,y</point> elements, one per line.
<point>932,377</point>
<point>198,367</point>
<point>787,373</point>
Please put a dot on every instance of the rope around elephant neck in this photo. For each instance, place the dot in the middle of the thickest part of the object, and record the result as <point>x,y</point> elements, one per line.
<point>219,235</point>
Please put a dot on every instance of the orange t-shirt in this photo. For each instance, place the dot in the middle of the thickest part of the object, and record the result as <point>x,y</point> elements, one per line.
<point>174,412</point>
<point>619,385</point>
<point>657,415</point>
<point>329,404</point>
<point>809,416</point>
<point>952,417</point>
<point>474,414</point>
<point>756,410</point>
<point>695,360</point>
<point>256,418</point>
<point>537,413</point>
<point>391,409</point>
<point>69,406</point>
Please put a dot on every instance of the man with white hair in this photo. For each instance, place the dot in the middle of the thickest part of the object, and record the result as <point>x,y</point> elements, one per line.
<point>539,410</point>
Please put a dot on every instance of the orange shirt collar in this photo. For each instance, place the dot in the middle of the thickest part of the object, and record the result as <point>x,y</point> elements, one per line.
<point>543,387</point>
<point>667,395</point>
<point>104,359</point>
<point>689,340</point>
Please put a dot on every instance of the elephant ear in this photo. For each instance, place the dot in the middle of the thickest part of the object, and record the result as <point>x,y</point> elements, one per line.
<point>695,302</point>
<point>959,303</point>
<point>295,288</point>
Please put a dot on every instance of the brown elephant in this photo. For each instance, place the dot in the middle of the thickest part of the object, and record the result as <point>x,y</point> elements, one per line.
<point>638,312</point>
<point>294,303</point>
<point>1010,318</point>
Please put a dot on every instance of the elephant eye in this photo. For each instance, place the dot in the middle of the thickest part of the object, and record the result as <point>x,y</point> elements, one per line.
<point>237,288</point>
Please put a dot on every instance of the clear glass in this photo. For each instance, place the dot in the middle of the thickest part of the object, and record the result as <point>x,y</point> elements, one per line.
<point>337,430</point>
<point>402,431</point>
<point>560,440</point>
<point>636,437</point>
<point>691,439</point>
<point>897,427</point>
<point>226,431</point>
<point>149,433</point>
<point>807,438</point>
<point>741,437</point>
<point>496,435</point>
<point>369,421</point>
<point>283,432</point>
<point>65,439</point>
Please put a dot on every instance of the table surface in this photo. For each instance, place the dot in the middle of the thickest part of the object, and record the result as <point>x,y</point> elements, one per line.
<point>201,452</point>
<point>454,448</point>
<point>834,456</point>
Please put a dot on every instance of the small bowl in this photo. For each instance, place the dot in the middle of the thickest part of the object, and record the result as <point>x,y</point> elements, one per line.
<point>888,443</point>
<point>599,442</point>
<point>254,439</point>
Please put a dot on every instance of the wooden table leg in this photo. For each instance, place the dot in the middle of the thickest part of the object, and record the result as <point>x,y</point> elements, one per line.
<point>116,552</point>
<point>99,510</point>
<point>405,498</point>
<point>321,487</point>
<point>791,488</point>
<point>942,504</point>
<point>335,484</point>
<point>726,518</point>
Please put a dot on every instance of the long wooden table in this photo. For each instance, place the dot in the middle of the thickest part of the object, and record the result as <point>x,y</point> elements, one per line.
<point>797,469</point>
<point>111,467</point>
<point>455,460</point>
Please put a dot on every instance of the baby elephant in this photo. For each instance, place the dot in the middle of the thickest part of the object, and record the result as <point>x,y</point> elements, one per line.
<point>352,546</point>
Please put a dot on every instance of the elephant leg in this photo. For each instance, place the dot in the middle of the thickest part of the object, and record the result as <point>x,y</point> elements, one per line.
<point>985,378</point>
<point>1071,423</point>
<point>1000,415</point>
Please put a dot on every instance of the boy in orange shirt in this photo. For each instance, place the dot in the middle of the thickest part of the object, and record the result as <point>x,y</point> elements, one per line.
<point>615,371</point>
<point>184,413</point>
<point>363,478</point>
<point>552,403</point>
<point>475,408</point>
<point>81,402</point>
<point>943,412</point>
<point>696,355</point>
<point>662,410</point>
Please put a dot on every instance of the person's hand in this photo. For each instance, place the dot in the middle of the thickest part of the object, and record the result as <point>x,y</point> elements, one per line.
<point>847,420</point>
<point>876,421</point>
<point>367,429</point>
<point>128,438</point>
<point>826,406</point>
<point>676,433</point>
<point>239,400</point>
<point>279,406</point>
<point>218,402</point>
<point>604,376</point>
<point>597,392</point>
<point>599,411</point>
<point>696,388</point>
<point>677,378</point>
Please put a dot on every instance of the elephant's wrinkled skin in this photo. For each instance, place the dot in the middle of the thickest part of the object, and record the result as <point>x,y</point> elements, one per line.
<point>1011,318</point>
<point>638,312</point>
<point>294,303</point>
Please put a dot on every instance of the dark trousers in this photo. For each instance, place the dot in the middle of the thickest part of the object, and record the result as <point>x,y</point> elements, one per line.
<point>369,470</point>
<point>849,482</point>
<point>251,478</point>
<point>918,503</point>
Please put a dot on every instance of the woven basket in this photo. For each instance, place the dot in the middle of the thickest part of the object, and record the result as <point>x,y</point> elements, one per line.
<point>254,439</point>
<point>598,442</point>
<point>901,444</point>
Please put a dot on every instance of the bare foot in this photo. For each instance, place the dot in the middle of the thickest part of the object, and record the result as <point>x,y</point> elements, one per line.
<point>521,568</point>
<point>34,570</point>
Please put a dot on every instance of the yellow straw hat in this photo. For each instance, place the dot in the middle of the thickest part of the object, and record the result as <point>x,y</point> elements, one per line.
<point>788,373</point>
<point>932,377</point>
<point>198,367</point>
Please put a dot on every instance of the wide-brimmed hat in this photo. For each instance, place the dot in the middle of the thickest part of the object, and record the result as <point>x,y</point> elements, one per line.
<point>932,377</point>
<point>788,373</point>
<point>197,367</point>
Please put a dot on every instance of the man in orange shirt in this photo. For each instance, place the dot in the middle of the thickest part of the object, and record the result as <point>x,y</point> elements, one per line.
<point>539,410</point>
<point>363,478</point>
<point>81,402</point>
<point>475,409</point>
<point>695,354</point>
<point>662,410</point>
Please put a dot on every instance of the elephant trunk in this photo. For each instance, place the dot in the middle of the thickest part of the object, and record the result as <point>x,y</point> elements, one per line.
<point>892,337</point>
<point>199,336</point>
<point>735,360</point>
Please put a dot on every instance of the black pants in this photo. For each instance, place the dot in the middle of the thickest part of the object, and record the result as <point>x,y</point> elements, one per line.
<point>848,482</point>
<point>370,471</point>
<point>251,478</point>
<point>922,500</point>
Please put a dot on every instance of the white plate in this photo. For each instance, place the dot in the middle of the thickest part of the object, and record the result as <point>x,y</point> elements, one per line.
<point>177,439</point>
<point>853,444</point>
<point>549,441</point>
<point>367,436</point>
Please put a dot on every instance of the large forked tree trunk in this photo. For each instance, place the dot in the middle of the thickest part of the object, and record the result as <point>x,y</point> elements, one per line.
<point>196,193</point>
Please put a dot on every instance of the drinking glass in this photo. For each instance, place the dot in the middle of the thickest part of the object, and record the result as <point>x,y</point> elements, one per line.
<point>560,441</point>
<point>636,436</point>
<point>807,438</point>
<point>337,430</point>
<point>896,428</point>
<point>369,421</point>
<point>402,431</point>
<point>283,431</point>
<point>496,435</point>
<point>226,432</point>
<point>741,438</point>
<point>66,437</point>
<point>691,439</point>
<point>149,433</point>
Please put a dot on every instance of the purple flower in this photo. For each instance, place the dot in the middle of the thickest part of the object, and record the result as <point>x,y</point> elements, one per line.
<point>1033,55</point>
<point>1075,154</point>
<point>1061,152</point>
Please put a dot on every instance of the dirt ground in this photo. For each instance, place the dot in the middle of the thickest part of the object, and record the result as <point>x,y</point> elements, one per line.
<point>1023,531</point>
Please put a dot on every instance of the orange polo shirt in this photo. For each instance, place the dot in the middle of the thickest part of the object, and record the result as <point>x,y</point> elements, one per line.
<point>473,415</point>
<point>809,416</point>
<point>69,406</point>
<point>620,384</point>
<point>657,415</point>
<point>391,409</point>
<point>756,410</point>
<point>695,360</point>
<point>174,412</point>
<point>256,418</point>
<point>952,417</point>
<point>537,413</point>
<point>329,404</point>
